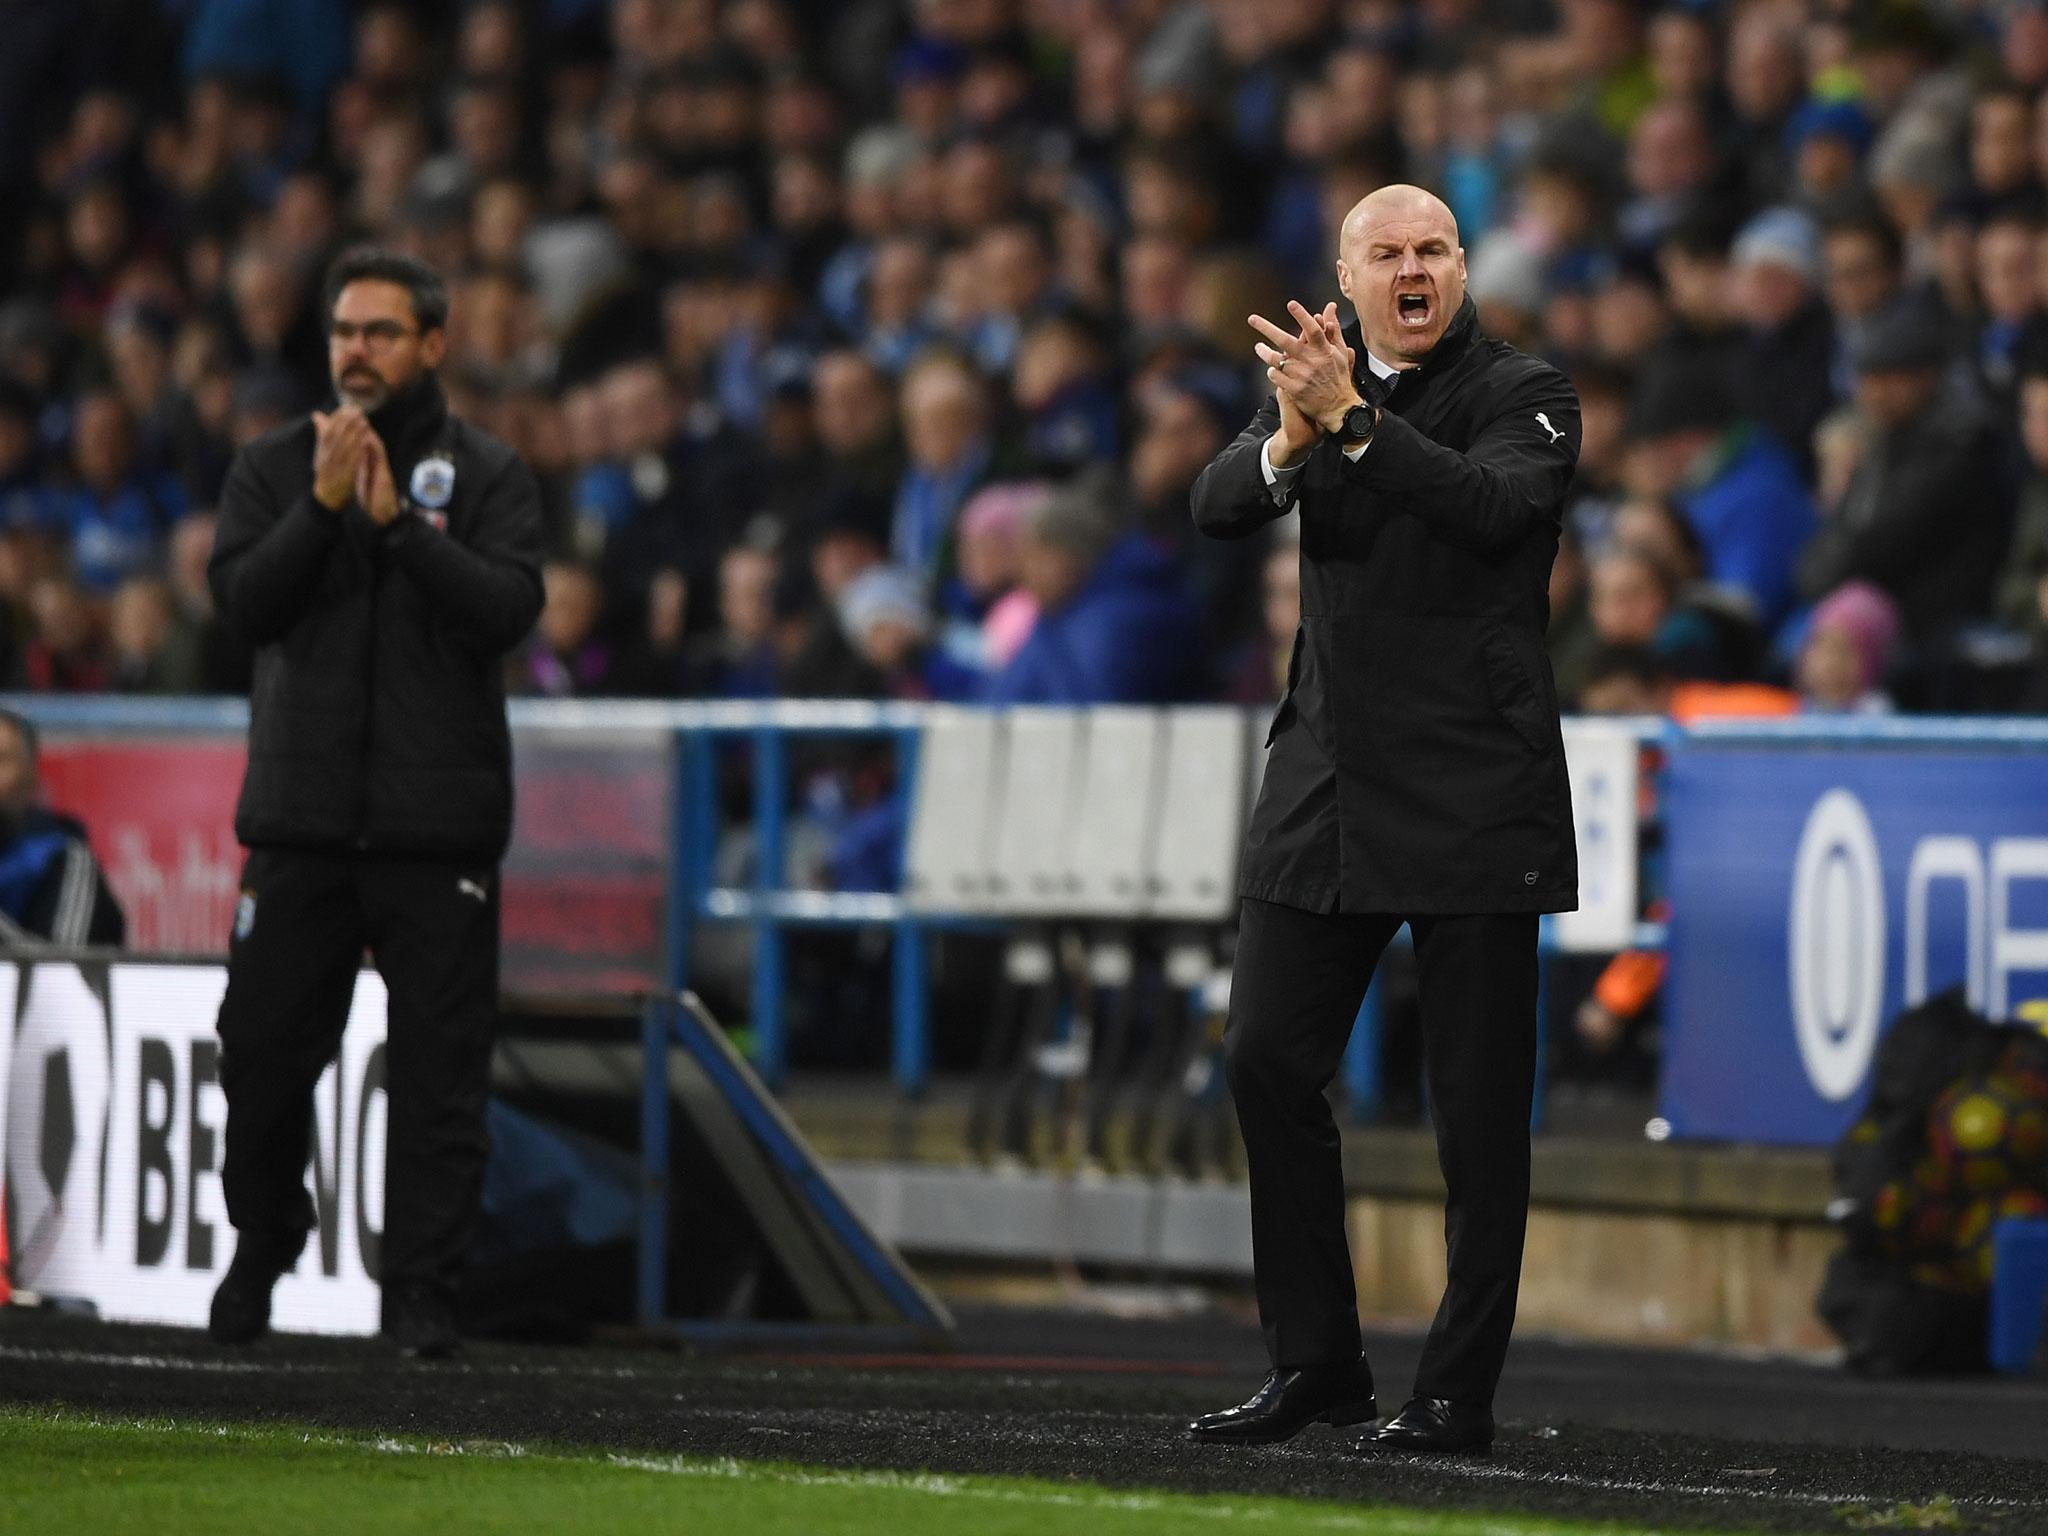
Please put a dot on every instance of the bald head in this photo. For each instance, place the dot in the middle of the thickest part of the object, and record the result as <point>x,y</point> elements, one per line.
<point>1397,203</point>
<point>1400,265</point>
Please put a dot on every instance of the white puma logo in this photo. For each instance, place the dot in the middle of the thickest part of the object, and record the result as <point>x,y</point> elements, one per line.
<point>1544,422</point>
<point>471,888</point>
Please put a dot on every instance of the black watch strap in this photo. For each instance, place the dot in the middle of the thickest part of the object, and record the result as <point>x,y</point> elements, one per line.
<point>1360,422</point>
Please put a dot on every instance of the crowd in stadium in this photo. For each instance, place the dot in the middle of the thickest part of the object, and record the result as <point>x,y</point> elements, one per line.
<point>871,347</point>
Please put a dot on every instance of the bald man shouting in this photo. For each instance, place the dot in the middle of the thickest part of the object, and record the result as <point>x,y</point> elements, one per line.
<point>1416,775</point>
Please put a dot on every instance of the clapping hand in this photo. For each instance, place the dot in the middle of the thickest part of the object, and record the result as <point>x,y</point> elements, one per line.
<point>338,443</point>
<point>376,491</point>
<point>1310,370</point>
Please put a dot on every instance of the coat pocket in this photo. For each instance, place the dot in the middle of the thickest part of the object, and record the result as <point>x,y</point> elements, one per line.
<point>1518,697</point>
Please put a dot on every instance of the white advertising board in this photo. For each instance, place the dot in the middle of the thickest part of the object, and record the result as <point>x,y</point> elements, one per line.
<point>1604,761</point>
<point>114,1131</point>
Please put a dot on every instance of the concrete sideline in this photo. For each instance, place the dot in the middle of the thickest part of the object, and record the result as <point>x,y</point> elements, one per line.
<point>1629,1241</point>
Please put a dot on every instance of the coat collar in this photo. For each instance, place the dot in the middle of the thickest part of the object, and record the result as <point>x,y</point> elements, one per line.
<point>409,423</point>
<point>1457,337</point>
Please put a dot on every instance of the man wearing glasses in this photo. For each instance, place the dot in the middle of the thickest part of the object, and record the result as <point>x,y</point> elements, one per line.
<point>382,556</point>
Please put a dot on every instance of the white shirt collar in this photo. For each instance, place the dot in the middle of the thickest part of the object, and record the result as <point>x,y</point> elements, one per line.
<point>1379,369</point>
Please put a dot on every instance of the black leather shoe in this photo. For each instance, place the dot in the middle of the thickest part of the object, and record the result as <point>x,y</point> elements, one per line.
<point>420,1320</point>
<point>241,1302</point>
<point>1436,1425</point>
<point>1290,1401</point>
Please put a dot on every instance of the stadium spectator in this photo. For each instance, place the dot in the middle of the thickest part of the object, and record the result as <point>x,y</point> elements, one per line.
<point>1924,515</point>
<point>1261,672</point>
<point>117,513</point>
<point>1063,389</point>
<point>51,887</point>
<point>1113,625</point>
<point>1788,356</point>
<point>853,404</point>
<point>986,614</point>
<point>1737,487</point>
<point>739,660</point>
<point>1185,418</point>
<point>140,622</point>
<point>948,432</point>
<point>566,656</point>
<point>673,496</point>
<point>23,494</point>
<point>1848,651</point>
<point>890,627</point>
<point>66,647</point>
<point>1860,260</point>
<point>981,239</point>
<point>200,646</point>
<point>2005,270</point>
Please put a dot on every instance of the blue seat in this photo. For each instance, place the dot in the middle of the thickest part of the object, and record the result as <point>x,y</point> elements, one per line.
<point>2019,1292</point>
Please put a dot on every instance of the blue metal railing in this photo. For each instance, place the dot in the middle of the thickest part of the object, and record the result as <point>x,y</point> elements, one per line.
<point>768,905</point>
<point>693,733</point>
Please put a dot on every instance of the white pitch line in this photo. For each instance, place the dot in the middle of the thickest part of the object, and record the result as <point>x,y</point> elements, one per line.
<point>1482,1471</point>
<point>151,1362</point>
<point>297,1367</point>
<point>812,1417</point>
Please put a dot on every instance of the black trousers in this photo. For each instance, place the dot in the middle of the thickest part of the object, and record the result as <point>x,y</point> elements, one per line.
<point>1296,985</point>
<point>432,929</point>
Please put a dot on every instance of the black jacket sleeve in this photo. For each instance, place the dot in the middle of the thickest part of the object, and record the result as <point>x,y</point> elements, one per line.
<point>73,903</point>
<point>1489,497</point>
<point>266,564</point>
<point>1231,499</point>
<point>1913,524</point>
<point>486,585</point>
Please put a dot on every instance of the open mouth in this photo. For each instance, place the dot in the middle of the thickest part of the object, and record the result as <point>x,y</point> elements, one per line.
<point>1413,309</point>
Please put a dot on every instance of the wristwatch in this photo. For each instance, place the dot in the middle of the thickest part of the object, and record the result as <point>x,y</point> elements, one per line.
<point>1360,422</point>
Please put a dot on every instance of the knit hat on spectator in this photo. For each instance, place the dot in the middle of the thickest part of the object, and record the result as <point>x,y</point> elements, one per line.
<point>1845,120</point>
<point>882,593</point>
<point>1681,393</point>
<point>1077,519</point>
<point>1506,272</point>
<point>926,59</point>
<point>1904,338</point>
<point>880,156</point>
<point>1002,510</point>
<point>267,389</point>
<point>850,508</point>
<point>1217,389</point>
<point>1783,237</point>
<point>1870,620</point>
<point>18,400</point>
<point>1911,154</point>
<point>1181,54</point>
<point>139,315</point>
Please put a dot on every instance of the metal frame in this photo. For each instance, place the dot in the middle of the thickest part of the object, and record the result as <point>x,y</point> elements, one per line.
<point>695,729</point>
<point>768,905</point>
<point>678,1019</point>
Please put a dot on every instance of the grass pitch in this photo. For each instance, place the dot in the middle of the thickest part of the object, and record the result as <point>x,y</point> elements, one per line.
<point>84,1476</point>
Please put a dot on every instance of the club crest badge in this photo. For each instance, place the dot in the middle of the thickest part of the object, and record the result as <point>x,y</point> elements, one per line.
<point>245,915</point>
<point>433,482</point>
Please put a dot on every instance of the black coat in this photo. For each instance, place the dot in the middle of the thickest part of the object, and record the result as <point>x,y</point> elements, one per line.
<point>1925,517</point>
<point>377,715</point>
<point>1416,764</point>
